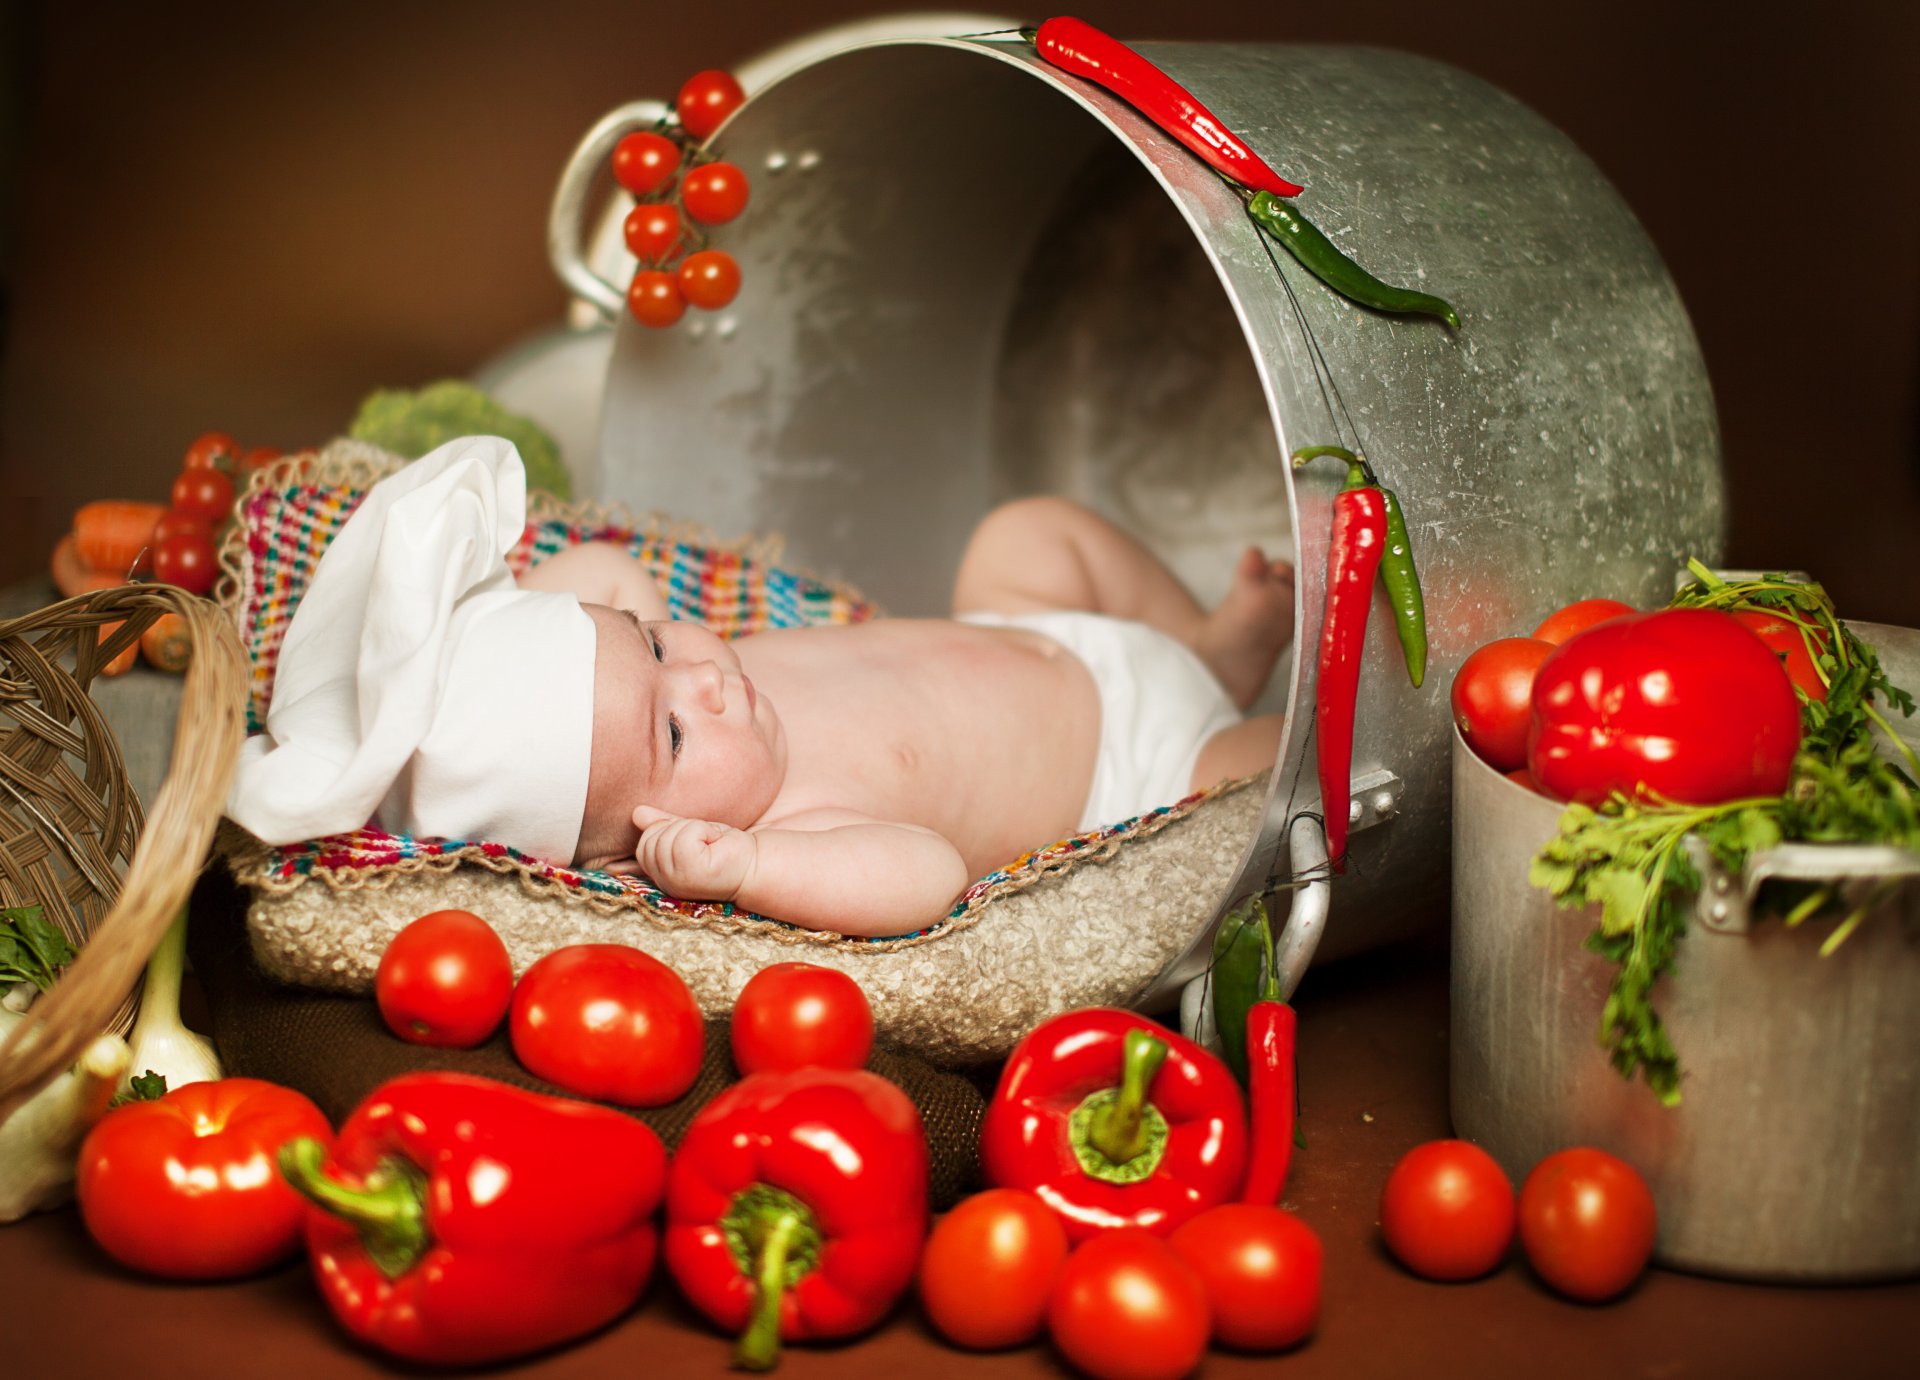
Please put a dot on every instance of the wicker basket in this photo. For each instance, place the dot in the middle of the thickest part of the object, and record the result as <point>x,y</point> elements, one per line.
<point>72,835</point>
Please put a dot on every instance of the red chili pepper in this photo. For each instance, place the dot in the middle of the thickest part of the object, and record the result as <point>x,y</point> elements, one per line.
<point>797,1205</point>
<point>460,1221</point>
<point>1353,559</point>
<point>1114,1121</point>
<point>1077,47</point>
<point>1270,1029</point>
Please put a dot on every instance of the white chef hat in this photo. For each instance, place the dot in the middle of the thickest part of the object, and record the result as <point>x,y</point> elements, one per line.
<point>418,687</point>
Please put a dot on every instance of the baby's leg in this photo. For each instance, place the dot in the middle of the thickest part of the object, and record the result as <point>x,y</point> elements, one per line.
<point>1246,749</point>
<point>1052,553</point>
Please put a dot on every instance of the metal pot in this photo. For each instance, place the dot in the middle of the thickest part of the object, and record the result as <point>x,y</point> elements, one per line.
<point>969,277</point>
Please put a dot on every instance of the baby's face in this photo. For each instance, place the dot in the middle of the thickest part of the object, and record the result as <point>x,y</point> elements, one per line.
<point>677,726</point>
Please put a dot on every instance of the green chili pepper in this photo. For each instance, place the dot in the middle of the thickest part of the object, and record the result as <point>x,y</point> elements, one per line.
<point>1320,257</point>
<point>1239,951</point>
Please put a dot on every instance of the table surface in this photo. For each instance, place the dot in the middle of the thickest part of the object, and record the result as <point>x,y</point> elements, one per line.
<point>1373,1044</point>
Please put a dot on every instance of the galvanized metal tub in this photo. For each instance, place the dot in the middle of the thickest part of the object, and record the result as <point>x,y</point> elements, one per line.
<point>969,277</point>
<point>1795,1151</point>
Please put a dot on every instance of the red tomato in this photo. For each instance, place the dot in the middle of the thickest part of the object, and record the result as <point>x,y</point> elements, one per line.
<point>1683,704</point>
<point>1561,624</point>
<point>172,522</point>
<point>257,458</point>
<point>1261,1267</point>
<point>709,279</point>
<point>1447,1211</point>
<point>187,1186</point>
<point>644,162</point>
<point>1493,697</point>
<point>793,1015</point>
<point>212,450</point>
<point>1520,776</point>
<point>204,494</point>
<point>989,1267</point>
<point>1781,631</point>
<point>444,980</point>
<point>654,298</point>
<point>714,193</point>
<point>187,559</point>
<point>653,231</point>
<point>608,1021</point>
<point>1127,1307</point>
<point>1587,1223</point>
<point>705,101</point>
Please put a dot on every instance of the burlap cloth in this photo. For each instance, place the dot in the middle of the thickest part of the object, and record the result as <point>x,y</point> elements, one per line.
<point>335,1048</point>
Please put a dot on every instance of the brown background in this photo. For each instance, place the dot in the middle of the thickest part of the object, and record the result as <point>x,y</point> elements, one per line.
<point>246,217</point>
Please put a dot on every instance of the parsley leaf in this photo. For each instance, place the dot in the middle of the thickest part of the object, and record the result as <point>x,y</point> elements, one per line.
<point>32,948</point>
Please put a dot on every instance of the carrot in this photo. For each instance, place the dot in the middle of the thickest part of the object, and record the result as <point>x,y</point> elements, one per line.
<point>111,534</point>
<point>122,661</point>
<point>71,575</point>
<point>167,645</point>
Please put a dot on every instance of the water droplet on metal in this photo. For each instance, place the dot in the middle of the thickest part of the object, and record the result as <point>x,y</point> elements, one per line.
<point>776,162</point>
<point>808,161</point>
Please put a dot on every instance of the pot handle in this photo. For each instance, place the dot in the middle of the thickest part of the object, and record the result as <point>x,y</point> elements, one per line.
<point>566,218</point>
<point>1312,900</point>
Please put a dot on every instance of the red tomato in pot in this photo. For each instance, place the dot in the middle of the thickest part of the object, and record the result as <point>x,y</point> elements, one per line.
<point>1781,631</point>
<point>1447,1211</point>
<point>1684,704</point>
<point>1127,1307</point>
<point>1493,697</point>
<point>1261,1267</point>
<point>1587,1223</point>
<point>444,980</point>
<point>793,1015</point>
<point>1577,617</point>
<point>188,1187</point>
<point>608,1021</point>
<point>989,1268</point>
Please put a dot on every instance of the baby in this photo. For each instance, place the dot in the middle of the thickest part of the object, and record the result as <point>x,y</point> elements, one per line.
<point>852,778</point>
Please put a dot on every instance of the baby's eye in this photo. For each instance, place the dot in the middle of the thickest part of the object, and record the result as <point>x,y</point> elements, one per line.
<point>659,652</point>
<point>674,735</point>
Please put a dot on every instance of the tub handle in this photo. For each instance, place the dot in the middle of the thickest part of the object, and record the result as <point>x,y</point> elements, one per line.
<point>567,217</point>
<point>1312,898</point>
<point>1724,904</point>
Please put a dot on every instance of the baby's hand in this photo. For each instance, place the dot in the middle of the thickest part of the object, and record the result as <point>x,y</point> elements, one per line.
<point>694,859</point>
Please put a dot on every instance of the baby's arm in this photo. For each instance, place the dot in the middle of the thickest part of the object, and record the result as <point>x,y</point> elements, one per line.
<point>823,869</point>
<point>599,572</point>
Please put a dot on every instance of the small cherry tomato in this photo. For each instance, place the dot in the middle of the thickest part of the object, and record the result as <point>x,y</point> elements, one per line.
<point>796,1015</point>
<point>204,494</point>
<point>608,1021</point>
<point>714,193</point>
<point>1493,699</point>
<point>258,458</point>
<point>1127,1307</point>
<point>706,99</point>
<point>1587,1223</point>
<point>644,162</point>
<point>444,980</point>
<point>1781,631</point>
<point>187,559</point>
<point>653,230</point>
<point>1261,1267</point>
<point>709,279</point>
<point>1578,616</point>
<point>167,645</point>
<point>212,450</point>
<point>1447,1211</point>
<point>989,1267</point>
<point>187,1186</point>
<point>1520,776</point>
<point>654,298</point>
<point>173,521</point>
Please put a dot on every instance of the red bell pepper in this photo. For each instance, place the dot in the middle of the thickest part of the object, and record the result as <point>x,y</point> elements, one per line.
<point>459,1220</point>
<point>796,1207</point>
<point>1114,1121</point>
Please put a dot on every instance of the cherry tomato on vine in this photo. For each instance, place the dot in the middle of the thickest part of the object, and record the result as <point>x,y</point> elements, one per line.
<point>1587,1223</point>
<point>204,494</point>
<point>1447,1211</point>
<point>714,193</point>
<point>444,980</point>
<point>654,298</point>
<point>608,1021</point>
<point>1493,698</point>
<point>257,458</point>
<point>989,1267</point>
<point>644,162</point>
<point>173,522</point>
<point>1261,1267</point>
<point>212,450</point>
<point>1781,631</point>
<point>653,232</point>
<point>709,279</point>
<point>706,99</point>
<point>797,1015</point>
<point>1577,617</point>
<point>1127,1307</point>
<point>186,558</point>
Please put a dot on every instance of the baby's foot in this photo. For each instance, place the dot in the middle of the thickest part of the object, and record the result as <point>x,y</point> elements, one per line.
<point>1244,636</point>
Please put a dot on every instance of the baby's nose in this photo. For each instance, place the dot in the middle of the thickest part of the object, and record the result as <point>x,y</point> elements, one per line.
<point>709,685</point>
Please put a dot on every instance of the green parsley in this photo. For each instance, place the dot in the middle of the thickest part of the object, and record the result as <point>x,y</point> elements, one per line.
<point>32,949</point>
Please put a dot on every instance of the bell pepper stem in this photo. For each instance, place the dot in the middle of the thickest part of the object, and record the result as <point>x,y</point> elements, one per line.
<point>759,1346</point>
<point>1119,1129</point>
<point>389,1210</point>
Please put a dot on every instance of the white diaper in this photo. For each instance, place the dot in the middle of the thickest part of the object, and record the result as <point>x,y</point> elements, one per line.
<point>1158,706</point>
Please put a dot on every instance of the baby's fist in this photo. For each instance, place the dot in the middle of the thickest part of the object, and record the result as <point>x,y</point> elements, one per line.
<point>694,859</point>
